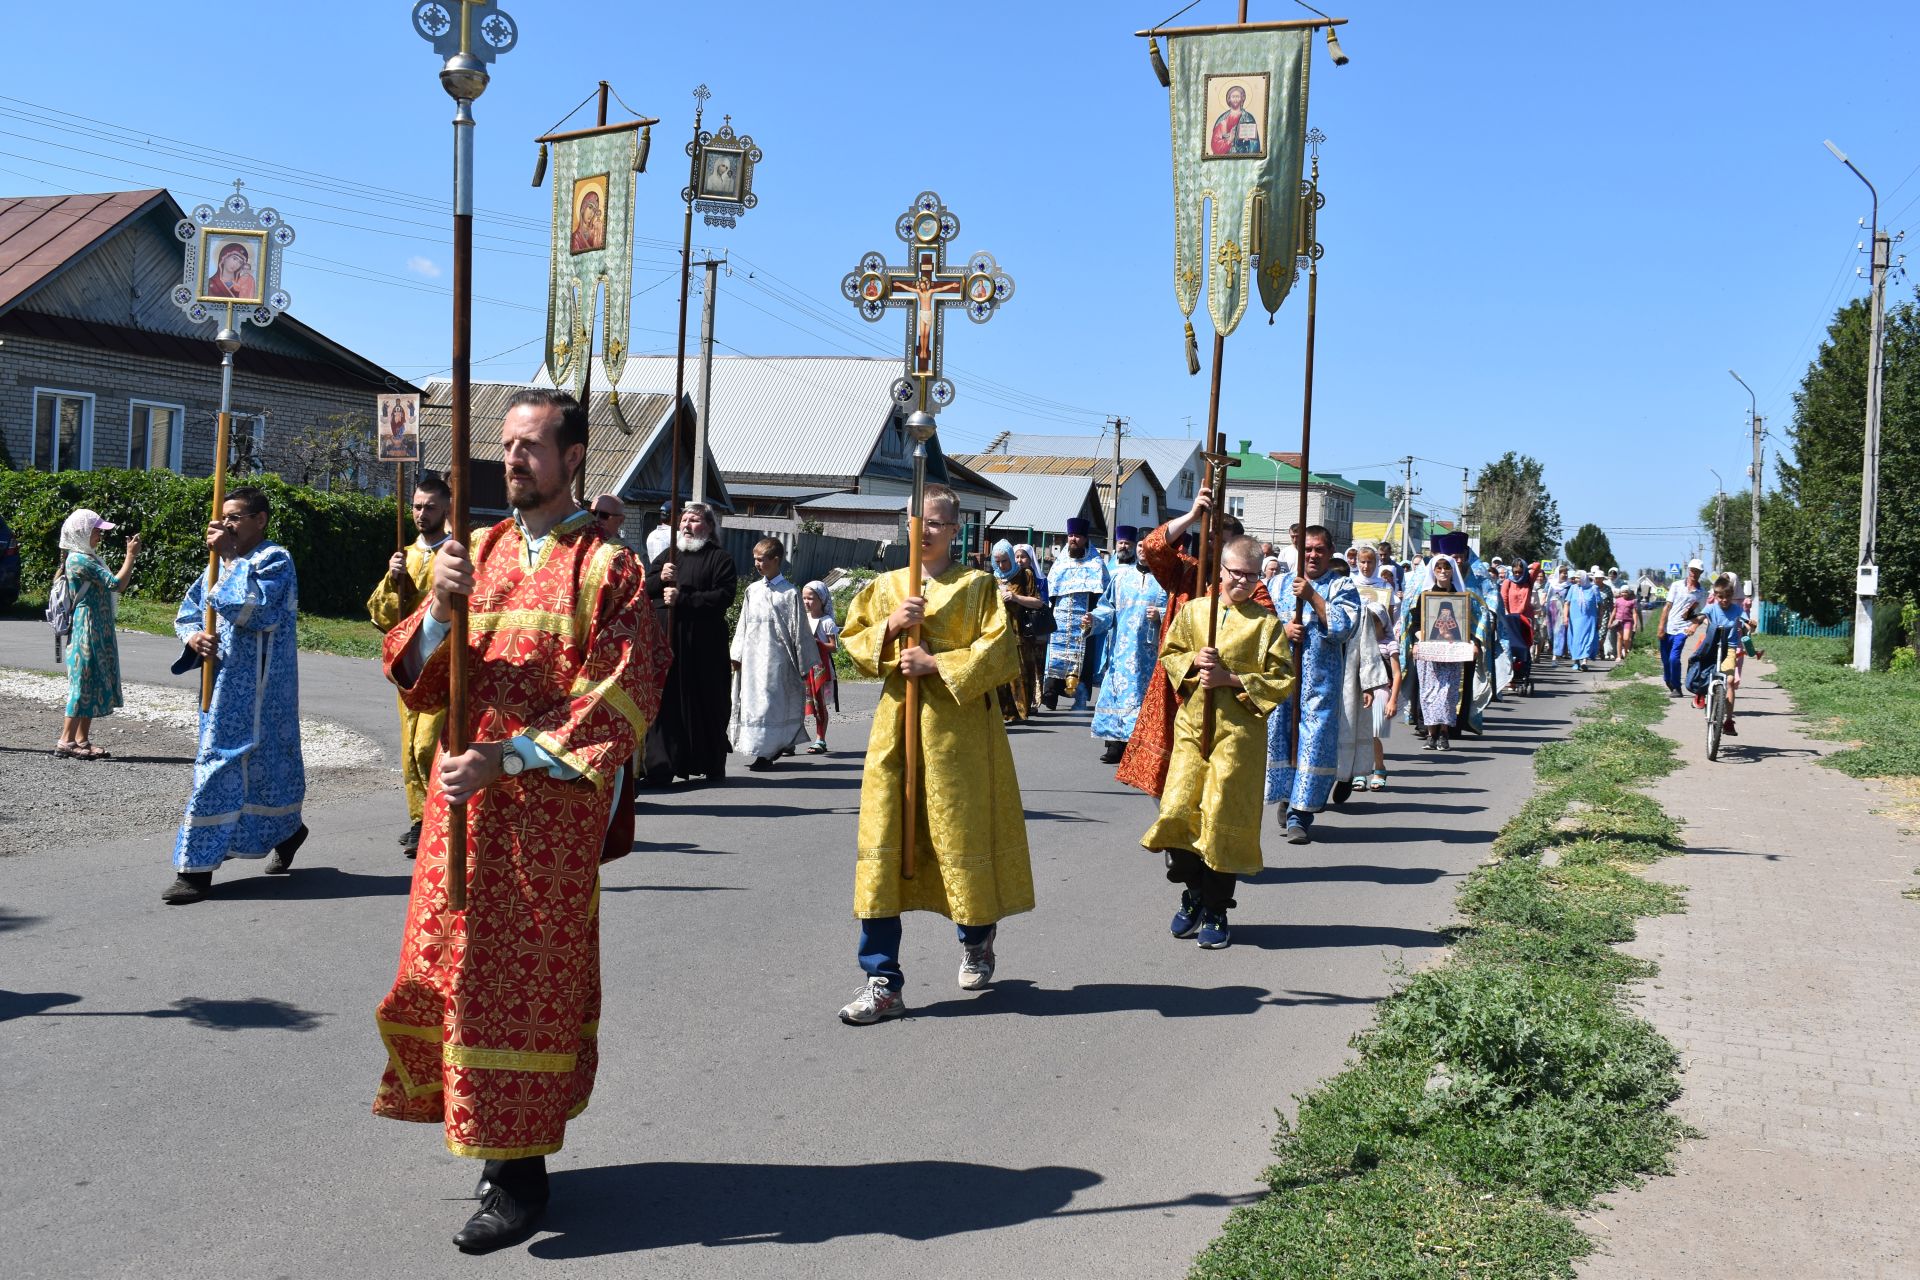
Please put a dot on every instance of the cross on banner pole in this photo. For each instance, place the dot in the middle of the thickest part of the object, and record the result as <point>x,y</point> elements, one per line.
<point>925,288</point>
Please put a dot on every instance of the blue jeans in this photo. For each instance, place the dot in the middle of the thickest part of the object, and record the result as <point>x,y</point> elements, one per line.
<point>880,946</point>
<point>1670,647</point>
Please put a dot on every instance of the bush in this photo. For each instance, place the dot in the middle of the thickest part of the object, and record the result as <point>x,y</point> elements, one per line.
<point>340,542</point>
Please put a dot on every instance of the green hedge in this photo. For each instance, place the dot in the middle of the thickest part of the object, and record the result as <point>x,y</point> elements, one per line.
<point>340,542</point>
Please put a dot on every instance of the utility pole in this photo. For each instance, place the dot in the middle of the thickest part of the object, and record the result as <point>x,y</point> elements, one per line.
<point>1755,473</point>
<point>712,266</point>
<point>1119,426</point>
<point>1406,521</point>
<point>1867,584</point>
<point>1719,509</point>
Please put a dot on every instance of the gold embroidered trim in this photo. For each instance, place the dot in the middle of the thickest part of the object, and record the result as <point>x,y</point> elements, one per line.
<point>591,1030</point>
<point>459,1055</point>
<point>501,1153</point>
<point>610,692</point>
<point>559,624</point>
<point>408,1086</point>
<point>571,760</point>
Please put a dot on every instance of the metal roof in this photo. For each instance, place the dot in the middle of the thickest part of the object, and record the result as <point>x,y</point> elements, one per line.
<point>1100,469</point>
<point>856,502</point>
<point>614,457</point>
<point>1042,502</point>
<point>1260,469</point>
<point>813,416</point>
<point>797,492</point>
<point>1166,455</point>
<point>39,235</point>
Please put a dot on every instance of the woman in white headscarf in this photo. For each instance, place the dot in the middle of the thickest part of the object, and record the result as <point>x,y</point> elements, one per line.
<point>1441,696</point>
<point>93,657</point>
<point>823,685</point>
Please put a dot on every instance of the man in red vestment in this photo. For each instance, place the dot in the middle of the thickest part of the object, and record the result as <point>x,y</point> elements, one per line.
<point>1143,766</point>
<point>491,1028</point>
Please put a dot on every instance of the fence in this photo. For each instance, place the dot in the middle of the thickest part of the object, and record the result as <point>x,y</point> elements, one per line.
<point>1778,620</point>
<point>813,555</point>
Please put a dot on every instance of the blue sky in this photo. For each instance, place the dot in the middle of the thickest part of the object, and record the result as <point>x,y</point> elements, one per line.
<point>1549,227</point>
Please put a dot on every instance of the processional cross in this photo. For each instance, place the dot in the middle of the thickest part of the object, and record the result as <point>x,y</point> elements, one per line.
<point>926,286</point>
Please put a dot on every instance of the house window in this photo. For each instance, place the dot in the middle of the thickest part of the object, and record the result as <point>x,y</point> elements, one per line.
<point>153,436</point>
<point>1186,484</point>
<point>62,431</point>
<point>1237,507</point>
<point>1144,508</point>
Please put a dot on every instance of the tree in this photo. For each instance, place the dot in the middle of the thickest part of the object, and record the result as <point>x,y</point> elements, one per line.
<point>1518,519</point>
<point>1815,530</point>
<point>1590,547</point>
<point>338,453</point>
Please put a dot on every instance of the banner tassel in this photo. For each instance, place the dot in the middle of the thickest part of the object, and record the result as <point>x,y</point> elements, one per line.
<point>1193,350</point>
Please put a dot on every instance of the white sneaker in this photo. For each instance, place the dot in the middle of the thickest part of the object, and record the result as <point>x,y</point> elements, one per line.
<point>976,963</point>
<point>876,1003</point>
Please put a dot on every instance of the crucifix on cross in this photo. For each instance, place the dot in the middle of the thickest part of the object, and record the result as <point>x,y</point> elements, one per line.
<point>925,287</point>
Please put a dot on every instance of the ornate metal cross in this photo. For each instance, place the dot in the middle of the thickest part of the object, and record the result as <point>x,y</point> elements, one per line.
<point>925,287</point>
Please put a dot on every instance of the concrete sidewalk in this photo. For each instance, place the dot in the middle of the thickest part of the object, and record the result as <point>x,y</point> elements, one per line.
<point>1791,987</point>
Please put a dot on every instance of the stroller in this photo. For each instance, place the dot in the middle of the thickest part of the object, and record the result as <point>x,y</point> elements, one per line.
<point>1517,634</point>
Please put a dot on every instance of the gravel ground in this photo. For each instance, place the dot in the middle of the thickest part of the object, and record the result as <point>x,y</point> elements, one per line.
<point>48,803</point>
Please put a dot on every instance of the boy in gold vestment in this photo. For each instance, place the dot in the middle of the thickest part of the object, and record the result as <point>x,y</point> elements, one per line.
<point>1209,824</point>
<point>971,863</point>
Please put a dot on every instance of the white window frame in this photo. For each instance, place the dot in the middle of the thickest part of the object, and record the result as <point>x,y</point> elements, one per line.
<point>175,447</point>
<point>1237,507</point>
<point>86,429</point>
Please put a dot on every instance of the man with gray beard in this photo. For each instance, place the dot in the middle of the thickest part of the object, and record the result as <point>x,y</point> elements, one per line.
<point>692,586</point>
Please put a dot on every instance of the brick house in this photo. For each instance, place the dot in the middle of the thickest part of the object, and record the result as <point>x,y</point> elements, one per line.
<point>99,369</point>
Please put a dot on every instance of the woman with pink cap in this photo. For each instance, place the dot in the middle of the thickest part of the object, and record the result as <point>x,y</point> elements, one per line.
<point>93,657</point>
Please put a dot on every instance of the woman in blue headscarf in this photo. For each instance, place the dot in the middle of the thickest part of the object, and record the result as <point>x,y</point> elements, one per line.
<point>1024,593</point>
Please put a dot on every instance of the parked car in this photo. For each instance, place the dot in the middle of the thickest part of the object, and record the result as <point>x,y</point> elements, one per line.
<point>9,567</point>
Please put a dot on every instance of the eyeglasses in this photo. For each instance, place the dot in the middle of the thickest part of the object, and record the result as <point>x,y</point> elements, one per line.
<point>608,515</point>
<point>1240,575</point>
<point>939,524</point>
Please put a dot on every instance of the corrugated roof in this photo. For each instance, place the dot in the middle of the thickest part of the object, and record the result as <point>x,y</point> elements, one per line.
<point>1258,468</point>
<point>1043,502</point>
<point>41,234</point>
<point>1166,455</point>
<point>794,491</point>
<point>1100,469</point>
<point>611,453</point>
<point>856,502</point>
<point>813,416</point>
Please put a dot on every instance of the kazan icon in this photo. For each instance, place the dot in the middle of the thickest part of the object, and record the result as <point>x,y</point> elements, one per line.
<point>720,175</point>
<point>1236,129</point>
<point>589,215</point>
<point>234,266</point>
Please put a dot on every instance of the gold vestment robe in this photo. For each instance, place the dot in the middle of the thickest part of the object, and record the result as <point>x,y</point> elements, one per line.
<point>971,853</point>
<point>419,730</point>
<point>1212,804</point>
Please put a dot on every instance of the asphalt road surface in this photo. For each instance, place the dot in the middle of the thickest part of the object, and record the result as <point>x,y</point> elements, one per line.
<point>187,1089</point>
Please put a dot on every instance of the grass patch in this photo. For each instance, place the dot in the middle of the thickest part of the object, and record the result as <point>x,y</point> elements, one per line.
<point>1511,1083</point>
<point>1878,711</point>
<point>1644,660</point>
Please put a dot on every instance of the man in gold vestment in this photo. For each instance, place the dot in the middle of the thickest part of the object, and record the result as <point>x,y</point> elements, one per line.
<point>409,576</point>
<point>1209,824</point>
<point>972,864</point>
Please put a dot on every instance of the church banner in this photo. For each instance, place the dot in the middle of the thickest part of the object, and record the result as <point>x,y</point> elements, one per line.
<point>593,188</point>
<point>1239,110</point>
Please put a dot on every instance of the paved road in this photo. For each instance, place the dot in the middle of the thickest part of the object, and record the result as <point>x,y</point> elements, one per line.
<point>191,1085</point>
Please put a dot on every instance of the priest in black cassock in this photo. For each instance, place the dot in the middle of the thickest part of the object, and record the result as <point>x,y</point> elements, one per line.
<point>691,593</point>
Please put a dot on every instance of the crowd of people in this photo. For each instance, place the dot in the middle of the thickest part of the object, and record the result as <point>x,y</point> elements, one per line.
<point>594,671</point>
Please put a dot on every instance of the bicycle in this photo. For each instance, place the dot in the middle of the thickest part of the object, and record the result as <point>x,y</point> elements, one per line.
<point>1717,699</point>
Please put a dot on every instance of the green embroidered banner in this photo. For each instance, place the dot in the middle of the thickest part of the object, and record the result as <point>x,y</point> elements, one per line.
<point>1239,108</point>
<point>593,183</point>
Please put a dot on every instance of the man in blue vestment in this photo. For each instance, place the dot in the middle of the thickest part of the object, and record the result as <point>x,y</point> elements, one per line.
<point>1304,782</point>
<point>1129,619</point>
<point>1074,586</point>
<point>248,777</point>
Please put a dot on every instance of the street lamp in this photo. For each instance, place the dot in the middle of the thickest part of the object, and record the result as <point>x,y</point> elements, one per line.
<point>1867,585</point>
<point>1719,506</point>
<point>1754,473</point>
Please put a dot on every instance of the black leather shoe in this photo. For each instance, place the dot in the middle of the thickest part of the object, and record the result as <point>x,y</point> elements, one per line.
<point>282,860</point>
<point>500,1221</point>
<point>1342,789</point>
<point>1113,752</point>
<point>412,836</point>
<point>188,886</point>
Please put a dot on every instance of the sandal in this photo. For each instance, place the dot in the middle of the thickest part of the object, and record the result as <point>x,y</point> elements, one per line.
<point>1377,780</point>
<point>87,751</point>
<point>64,750</point>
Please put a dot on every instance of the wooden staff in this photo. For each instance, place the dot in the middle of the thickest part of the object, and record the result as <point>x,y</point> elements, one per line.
<point>458,729</point>
<point>399,507</point>
<point>1217,463</point>
<point>920,427</point>
<point>228,340</point>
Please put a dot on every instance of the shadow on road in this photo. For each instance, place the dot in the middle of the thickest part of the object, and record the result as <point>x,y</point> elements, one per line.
<point>1018,996</point>
<point>311,884</point>
<point>636,1207</point>
<point>255,1013</point>
<point>1312,937</point>
<point>673,888</point>
<point>1349,872</point>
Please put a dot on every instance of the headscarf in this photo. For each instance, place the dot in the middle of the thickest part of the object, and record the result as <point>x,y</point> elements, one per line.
<point>1033,563</point>
<point>1003,548</point>
<point>76,533</point>
<point>826,596</point>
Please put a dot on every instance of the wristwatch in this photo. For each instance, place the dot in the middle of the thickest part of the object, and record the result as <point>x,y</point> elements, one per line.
<point>512,763</point>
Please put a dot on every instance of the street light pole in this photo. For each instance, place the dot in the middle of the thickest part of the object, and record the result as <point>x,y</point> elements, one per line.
<point>1867,585</point>
<point>1755,473</point>
<point>1719,508</point>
